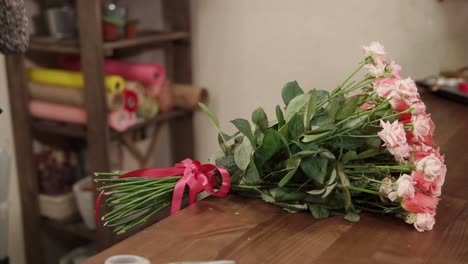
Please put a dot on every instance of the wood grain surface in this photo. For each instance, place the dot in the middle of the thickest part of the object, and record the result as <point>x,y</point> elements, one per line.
<point>251,231</point>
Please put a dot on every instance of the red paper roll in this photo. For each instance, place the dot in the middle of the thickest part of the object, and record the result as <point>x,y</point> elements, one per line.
<point>130,100</point>
<point>143,72</point>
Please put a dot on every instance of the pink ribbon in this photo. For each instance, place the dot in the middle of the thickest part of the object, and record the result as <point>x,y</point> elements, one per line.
<point>196,176</point>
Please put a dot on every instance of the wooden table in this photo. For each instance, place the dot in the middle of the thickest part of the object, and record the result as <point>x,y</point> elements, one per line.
<point>251,231</point>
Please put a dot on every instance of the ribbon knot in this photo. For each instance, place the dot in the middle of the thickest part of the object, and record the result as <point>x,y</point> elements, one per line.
<point>196,176</point>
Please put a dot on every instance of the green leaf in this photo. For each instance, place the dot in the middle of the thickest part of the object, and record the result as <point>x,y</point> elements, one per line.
<point>316,137</point>
<point>293,162</point>
<point>260,119</point>
<point>252,176</point>
<point>297,105</point>
<point>305,153</point>
<point>244,127</point>
<point>213,117</point>
<point>329,189</point>
<point>259,137</point>
<point>334,106</point>
<point>332,177</point>
<point>319,212</point>
<point>317,192</point>
<point>315,168</point>
<point>272,144</point>
<point>311,108</point>
<point>242,154</point>
<point>342,176</point>
<point>321,94</point>
<point>327,154</point>
<point>222,144</point>
<point>280,116</point>
<point>296,126</point>
<point>288,194</point>
<point>369,153</point>
<point>349,107</point>
<point>286,178</point>
<point>355,122</point>
<point>292,207</point>
<point>373,142</point>
<point>352,217</point>
<point>348,156</point>
<point>321,120</point>
<point>290,90</point>
<point>307,146</point>
<point>227,137</point>
<point>228,163</point>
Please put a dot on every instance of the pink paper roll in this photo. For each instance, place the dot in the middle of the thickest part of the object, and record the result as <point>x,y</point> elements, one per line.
<point>57,112</point>
<point>118,120</point>
<point>143,72</point>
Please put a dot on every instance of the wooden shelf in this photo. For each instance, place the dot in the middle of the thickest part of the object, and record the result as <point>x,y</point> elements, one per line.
<point>79,131</point>
<point>70,46</point>
<point>75,228</point>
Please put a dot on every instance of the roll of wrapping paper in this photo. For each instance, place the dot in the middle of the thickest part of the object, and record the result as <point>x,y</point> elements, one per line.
<point>130,100</point>
<point>113,83</point>
<point>147,106</point>
<point>142,72</point>
<point>188,96</point>
<point>73,97</point>
<point>165,97</point>
<point>118,120</point>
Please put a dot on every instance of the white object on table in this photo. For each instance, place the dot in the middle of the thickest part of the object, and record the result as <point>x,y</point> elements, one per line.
<point>126,259</point>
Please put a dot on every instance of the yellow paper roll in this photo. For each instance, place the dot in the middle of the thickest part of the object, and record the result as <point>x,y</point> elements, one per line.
<point>70,96</point>
<point>113,83</point>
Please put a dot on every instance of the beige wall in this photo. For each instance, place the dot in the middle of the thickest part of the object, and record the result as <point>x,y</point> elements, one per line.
<point>245,50</point>
<point>16,250</point>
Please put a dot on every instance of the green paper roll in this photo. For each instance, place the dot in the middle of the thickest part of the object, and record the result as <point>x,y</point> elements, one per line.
<point>113,83</point>
<point>69,96</point>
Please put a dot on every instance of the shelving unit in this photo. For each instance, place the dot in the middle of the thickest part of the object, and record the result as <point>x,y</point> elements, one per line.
<point>174,41</point>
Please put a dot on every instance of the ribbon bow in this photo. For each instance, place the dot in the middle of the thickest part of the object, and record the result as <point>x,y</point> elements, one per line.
<point>196,176</point>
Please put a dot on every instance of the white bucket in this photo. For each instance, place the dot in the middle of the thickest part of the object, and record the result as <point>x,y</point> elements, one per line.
<point>85,200</point>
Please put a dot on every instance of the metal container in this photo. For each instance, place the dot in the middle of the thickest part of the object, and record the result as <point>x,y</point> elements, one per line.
<point>61,22</point>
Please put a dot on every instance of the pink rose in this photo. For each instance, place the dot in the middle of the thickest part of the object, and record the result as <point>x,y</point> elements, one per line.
<point>421,147</point>
<point>419,107</point>
<point>407,90</point>
<point>375,50</point>
<point>395,69</point>
<point>400,152</point>
<point>420,203</point>
<point>405,188</point>
<point>386,186</point>
<point>393,134</point>
<point>423,127</point>
<point>434,187</point>
<point>399,105</point>
<point>385,86</point>
<point>432,167</point>
<point>377,69</point>
<point>379,59</point>
<point>422,221</point>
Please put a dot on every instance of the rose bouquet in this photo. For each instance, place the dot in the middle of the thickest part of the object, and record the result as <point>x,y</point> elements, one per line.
<point>365,146</point>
